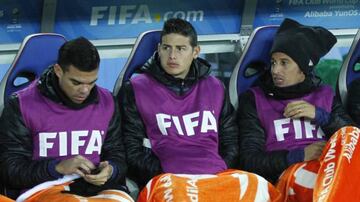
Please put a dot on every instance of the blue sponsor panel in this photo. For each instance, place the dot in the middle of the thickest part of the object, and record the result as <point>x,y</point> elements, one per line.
<point>19,18</point>
<point>113,19</point>
<point>339,14</point>
<point>3,70</point>
<point>109,71</point>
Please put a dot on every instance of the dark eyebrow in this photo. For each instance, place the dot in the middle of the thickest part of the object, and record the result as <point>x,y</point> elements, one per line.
<point>284,59</point>
<point>281,59</point>
<point>76,81</point>
<point>177,46</point>
<point>181,46</point>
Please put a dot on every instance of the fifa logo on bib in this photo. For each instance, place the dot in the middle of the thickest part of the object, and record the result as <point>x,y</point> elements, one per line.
<point>301,129</point>
<point>70,143</point>
<point>205,120</point>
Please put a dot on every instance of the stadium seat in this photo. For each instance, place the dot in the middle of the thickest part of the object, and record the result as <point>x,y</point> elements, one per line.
<point>36,53</point>
<point>348,72</point>
<point>254,59</point>
<point>143,49</point>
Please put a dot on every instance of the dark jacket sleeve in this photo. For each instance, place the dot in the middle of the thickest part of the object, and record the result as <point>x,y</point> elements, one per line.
<point>353,101</point>
<point>338,118</point>
<point>143,163</point>
<point>253,157</point>
<point>113,149</point>
<point>228,134</point>
<point>17,169</point>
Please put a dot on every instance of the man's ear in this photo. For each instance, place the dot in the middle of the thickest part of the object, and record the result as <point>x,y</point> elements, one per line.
<point>196,52</point>
<point>58,70</point>
<point>158,47</point>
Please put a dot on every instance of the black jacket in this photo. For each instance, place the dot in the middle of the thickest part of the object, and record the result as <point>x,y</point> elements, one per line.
<point>18,170</point>
<point>253,156</point>
<point>143,163</point>
<point>353,101</point>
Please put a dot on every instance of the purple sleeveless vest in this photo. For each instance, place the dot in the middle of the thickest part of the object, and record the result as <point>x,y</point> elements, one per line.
<point>61,133</point>
<point>183,130</point>
<point>285,133</point>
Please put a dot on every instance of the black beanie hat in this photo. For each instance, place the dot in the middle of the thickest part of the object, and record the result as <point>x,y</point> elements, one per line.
<point>304,44</point>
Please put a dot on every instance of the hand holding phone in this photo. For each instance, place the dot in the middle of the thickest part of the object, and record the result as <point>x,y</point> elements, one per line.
<point>95,171</point>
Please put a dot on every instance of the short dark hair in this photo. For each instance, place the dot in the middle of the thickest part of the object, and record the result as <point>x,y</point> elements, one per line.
<point>179,26</point>
<point>80,53</point>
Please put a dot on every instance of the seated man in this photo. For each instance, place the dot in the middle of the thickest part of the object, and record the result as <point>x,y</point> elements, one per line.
<point>289,116</point>
<point>353,101</point>
<point>64,124</point>
<point>178,119</point>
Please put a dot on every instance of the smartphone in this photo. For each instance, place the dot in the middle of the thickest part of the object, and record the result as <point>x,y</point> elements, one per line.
<point>95,171</point>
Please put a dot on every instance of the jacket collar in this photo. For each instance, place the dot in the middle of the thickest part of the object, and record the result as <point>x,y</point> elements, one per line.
<point>199,69</point>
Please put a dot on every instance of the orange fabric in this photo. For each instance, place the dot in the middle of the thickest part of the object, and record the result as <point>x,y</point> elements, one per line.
<point>54,194</point>
<point>339,174</point>
<point>5,199</point>
<point>334,177</point>
<point>230,185</point>
<point>297,182</point>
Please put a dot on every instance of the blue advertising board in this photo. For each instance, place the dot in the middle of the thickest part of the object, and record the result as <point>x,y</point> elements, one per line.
<point>127,18</point>
<point>340,14</point>
<point>19,18</point>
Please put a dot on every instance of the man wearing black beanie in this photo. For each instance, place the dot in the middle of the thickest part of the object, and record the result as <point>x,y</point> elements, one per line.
<point>289,116</point>
<point>304,44</point>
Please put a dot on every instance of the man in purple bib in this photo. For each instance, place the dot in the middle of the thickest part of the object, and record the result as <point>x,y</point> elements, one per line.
<point>177,118</point>
<point>289,116</point>
<point>64,124</point>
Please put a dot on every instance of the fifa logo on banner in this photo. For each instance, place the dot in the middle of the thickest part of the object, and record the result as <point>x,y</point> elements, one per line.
<point>134,14</point>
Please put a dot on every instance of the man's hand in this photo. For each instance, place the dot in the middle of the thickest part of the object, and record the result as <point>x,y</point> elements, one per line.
<point>101,177</point>
<point>77,164</point>
<point>314,150</point>
<point>298,109</point>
